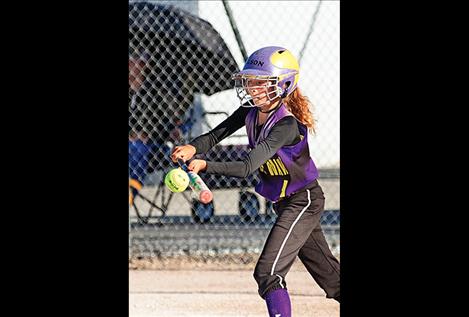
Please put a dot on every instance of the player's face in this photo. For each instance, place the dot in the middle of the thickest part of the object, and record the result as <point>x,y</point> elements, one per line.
<point>260,90</point>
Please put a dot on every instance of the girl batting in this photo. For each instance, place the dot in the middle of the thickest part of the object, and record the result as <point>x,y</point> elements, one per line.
<point>277,119</point>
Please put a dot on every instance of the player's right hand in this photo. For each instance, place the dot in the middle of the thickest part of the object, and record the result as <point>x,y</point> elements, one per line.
<point>184,152</point>
<point>197,166</point>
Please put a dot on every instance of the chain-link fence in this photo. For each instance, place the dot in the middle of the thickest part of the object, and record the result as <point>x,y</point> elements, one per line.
<point>181,58</point>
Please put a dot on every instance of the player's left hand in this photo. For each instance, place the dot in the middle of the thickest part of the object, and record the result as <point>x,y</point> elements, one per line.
<point>197,166</point>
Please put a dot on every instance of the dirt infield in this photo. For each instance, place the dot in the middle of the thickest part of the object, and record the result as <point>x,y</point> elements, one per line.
<point>207,293</point>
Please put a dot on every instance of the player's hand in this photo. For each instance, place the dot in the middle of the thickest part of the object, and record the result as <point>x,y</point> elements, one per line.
<point>184,152</point>
<point>197,166</point>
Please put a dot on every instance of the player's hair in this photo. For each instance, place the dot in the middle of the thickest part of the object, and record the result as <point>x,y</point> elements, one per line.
<point>299,105</point>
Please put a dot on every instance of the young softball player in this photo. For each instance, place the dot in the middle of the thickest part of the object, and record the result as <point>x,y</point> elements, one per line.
<point>277,119</point>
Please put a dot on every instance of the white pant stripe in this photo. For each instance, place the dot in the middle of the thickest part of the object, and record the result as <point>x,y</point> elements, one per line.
<point>288,234</point>
<point>280,281</point>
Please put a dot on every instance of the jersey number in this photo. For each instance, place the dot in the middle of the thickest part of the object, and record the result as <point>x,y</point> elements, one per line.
<point>284,188</point>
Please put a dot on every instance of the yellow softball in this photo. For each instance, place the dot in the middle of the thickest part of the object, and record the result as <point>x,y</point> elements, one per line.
<point>176,180</point>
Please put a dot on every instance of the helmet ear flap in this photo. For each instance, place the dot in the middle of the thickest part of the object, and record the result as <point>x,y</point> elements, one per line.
<point>285,91</point>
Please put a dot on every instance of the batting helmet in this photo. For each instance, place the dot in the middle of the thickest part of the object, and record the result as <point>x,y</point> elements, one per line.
<point>274,64</point>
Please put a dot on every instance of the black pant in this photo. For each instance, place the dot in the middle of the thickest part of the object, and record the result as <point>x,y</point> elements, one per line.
<point>297,232</point>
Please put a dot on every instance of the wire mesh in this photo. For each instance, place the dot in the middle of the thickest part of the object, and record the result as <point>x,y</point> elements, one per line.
<point>181,58</point>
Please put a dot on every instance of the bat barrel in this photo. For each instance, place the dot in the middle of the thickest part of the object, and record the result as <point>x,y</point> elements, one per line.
<point>205,196</point>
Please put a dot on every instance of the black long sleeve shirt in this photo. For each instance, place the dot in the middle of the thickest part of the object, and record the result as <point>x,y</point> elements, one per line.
<point>284,132</point>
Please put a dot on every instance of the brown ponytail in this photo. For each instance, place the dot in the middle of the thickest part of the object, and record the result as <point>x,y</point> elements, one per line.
<point>298,104</point>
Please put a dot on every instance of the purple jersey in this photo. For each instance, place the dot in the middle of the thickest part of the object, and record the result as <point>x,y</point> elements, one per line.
<point>291,168</point>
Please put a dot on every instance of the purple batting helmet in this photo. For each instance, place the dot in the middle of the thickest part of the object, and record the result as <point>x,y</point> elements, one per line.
<point>274,64</point>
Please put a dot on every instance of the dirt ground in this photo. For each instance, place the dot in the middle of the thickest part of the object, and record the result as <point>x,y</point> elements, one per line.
<point>207,293</point>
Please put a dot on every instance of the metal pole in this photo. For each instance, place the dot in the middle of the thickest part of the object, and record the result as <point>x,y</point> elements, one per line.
<point>311,28</point>
<point>235,29</point>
